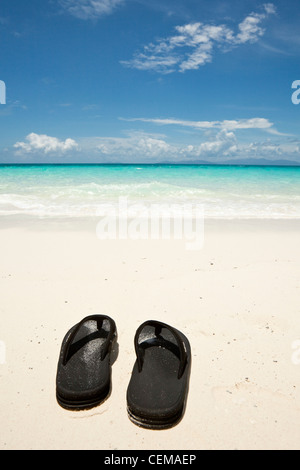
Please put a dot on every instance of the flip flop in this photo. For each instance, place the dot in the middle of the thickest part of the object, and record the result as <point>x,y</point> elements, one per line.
<point>158,387</point>
<point>83,377</point>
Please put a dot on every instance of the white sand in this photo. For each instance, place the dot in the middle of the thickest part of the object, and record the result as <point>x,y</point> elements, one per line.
<point>237,300</point>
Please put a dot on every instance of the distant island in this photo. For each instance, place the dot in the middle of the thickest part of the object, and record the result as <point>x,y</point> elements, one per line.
<point>245,162</point>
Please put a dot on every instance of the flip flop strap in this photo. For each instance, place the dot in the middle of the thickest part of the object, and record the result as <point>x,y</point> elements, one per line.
<point>99,319</point>
<point>158,327</point>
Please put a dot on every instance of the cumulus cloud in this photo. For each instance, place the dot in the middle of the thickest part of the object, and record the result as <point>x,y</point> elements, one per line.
<point>193,44</point>
<point>271,150</point>
<point>223,144</point>
<point>90,9</point>
<point>214,141</point>
<point>139,145</point>
<point>217,142</point>
<point>217,146</point>
<point>143,147</point>
<point>45,144</point>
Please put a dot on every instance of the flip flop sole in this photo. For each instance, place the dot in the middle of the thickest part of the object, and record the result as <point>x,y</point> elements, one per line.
<point>157,424</point>
<point>84,404</point>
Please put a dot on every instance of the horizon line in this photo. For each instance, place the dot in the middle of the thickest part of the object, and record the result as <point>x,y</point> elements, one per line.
<point>273,164</point>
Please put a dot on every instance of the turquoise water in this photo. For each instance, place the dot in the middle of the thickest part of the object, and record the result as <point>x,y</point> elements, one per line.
<point>85,190</point>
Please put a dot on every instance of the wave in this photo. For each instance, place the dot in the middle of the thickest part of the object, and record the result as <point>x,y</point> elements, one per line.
<point>77,192</point>
<point>213,206</point>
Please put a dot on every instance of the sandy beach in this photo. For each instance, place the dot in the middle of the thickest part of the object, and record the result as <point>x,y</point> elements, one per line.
<point>237,300</point>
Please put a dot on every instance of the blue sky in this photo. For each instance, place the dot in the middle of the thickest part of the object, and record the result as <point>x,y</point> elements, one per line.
<point>149,81</point>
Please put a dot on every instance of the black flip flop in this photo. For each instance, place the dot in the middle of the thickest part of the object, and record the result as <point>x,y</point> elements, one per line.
<point>83,377</point>
<point>158,387</point>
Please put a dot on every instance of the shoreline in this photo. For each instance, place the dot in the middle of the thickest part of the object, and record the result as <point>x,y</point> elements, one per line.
<point>89,222</point>
<point>236,299</point>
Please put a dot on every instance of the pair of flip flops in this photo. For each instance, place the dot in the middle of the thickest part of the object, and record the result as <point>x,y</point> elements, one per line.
<point>158,387</point>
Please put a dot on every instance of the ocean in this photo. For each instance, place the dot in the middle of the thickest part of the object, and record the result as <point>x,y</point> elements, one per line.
<point>226,192</point>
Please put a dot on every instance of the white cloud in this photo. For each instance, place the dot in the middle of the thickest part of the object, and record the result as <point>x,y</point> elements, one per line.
<point>271,150</point>
<point>223,144</point>
<point>144,147</point>
<point>140,145</point>
<point>153,62</point>
<point>219,141</point>
<point>90,9</point>
<point>193,44</point>
<point>253,123</point>
<point>270,8</point>
<point>200,56</point>
<point>45,144</point>
<point>250,29</point>
<point>217,144</point>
